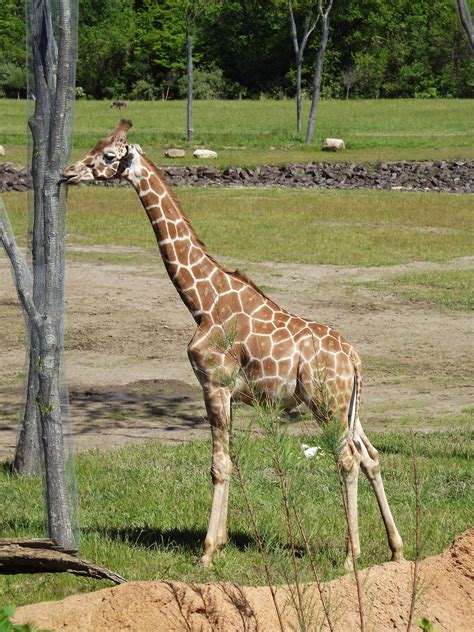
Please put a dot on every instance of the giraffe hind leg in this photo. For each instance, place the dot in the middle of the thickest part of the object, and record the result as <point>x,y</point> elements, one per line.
<point>369,462</point>
<point>349,464</point>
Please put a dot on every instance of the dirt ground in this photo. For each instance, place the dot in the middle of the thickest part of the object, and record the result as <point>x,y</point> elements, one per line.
<point>129,378</point>
<point>446,599</point>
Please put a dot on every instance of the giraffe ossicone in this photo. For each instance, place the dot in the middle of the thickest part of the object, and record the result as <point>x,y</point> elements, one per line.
<point>245,345</point>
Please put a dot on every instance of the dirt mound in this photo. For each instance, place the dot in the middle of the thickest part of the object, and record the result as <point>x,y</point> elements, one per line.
<point>446,600</point>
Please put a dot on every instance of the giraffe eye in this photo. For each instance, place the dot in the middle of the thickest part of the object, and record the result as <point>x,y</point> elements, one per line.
<point>109,156</point>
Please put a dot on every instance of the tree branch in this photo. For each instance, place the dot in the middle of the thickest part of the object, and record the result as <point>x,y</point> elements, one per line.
<point>466,22</point>
<point>20,269</point>
<point>24,555</point>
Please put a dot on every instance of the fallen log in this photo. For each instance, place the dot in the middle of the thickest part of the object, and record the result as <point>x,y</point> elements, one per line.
<point>37,555</point>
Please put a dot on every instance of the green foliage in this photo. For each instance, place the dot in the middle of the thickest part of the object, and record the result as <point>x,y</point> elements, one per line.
<point>143,91</point>
<point>12,80</point>
<point>7,626</point>
<point>80,93</point>
<point>207,84</point>
<point>12,32</point>
<point>401,48</point>
<point>426,625</point>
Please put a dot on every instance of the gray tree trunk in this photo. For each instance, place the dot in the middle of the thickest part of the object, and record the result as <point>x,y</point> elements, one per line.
<point>466,22</point>
<point>318,73</point>
<point>299,48</point>
<point>189,65</point>
<point>27,460</point>
<point>42,293</point>
<point>52,67</point>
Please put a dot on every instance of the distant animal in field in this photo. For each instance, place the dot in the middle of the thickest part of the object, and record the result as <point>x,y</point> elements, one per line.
<point>119,104</point>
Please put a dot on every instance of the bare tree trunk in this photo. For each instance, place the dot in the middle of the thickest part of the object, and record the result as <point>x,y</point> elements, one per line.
<point>189,64</point>
<point>27,458</point>
<point>42,293</point>
<point>465,18</point>
<point>318,72</point>
<point>53,64</point>
<point>299,94</point>
<point>309,26</point>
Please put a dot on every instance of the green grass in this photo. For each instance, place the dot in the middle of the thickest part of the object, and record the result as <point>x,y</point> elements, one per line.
<point>366,228</point>
<point>262,131</point>
<point>452,289</point>
<point>144,511</point>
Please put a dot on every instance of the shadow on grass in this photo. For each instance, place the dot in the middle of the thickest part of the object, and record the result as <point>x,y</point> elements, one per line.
<point>190,540</point>
<point>6,467</point>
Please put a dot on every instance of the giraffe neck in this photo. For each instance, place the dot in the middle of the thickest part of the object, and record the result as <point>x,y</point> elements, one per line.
<point>194,273</point>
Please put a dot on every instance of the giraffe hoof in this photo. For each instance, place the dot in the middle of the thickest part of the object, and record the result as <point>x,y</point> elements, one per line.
<point>397,556</point>
<point>206,560</point>
<point>349,564</point>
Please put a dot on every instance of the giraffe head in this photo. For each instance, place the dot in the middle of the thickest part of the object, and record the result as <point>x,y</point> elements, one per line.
<point>110,158</point>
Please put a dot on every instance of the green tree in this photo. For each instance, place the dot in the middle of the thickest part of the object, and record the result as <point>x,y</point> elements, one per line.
<point>106,30</point>
<point>12,32</point>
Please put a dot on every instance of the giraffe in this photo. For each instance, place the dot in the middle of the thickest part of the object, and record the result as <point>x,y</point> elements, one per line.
<point>269,353</point>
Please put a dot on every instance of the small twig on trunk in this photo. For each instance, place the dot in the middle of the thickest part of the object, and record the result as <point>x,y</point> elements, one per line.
<point>20,269</point>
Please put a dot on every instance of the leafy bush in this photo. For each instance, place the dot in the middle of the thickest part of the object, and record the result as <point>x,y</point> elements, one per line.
<point>12,80</point>
<point>80,93</point>
<point>7,626</point>
<point>208,83</point>
<point>143,90</point>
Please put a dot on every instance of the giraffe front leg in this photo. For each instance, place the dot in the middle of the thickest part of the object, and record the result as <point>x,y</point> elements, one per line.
<point>218,409</point>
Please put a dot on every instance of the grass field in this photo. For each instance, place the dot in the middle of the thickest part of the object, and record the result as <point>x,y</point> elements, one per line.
<point>263,131</point>
<point>133,522</point>
<point>144,509</point>
<point>369,228</point>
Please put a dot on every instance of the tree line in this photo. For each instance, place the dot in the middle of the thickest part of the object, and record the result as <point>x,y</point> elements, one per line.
<point>245,49</point>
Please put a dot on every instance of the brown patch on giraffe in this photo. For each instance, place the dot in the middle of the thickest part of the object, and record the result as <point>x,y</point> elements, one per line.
<point>281,335</point>
<point>202,270</point>
<point>270,367</point>
<point>171,230</point>
<point>187,279</point>
<point>228,306</point>
<point>243,326</point>
<point>262,327</point>
<point>284,367</point>
<point>181,249</point>
<point>259,345</point>
<point>263,313</point>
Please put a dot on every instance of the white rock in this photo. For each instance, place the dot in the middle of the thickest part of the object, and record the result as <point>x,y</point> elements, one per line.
<point>2,150</point>
<point>205,153</point>
<point>174,152</point>
<point>333,144</point>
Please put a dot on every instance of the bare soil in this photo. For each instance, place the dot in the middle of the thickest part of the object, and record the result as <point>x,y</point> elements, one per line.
<point>129,378</point>
<point>446,599</point>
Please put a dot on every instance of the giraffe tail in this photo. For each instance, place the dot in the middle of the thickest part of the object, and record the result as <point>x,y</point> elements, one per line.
<point>353,414</point>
